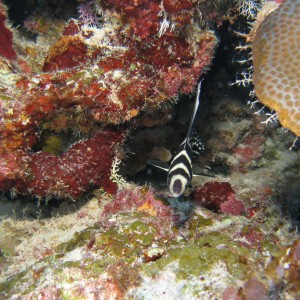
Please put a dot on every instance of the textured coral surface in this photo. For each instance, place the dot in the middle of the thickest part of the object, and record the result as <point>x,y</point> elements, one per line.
<point>219,196</point>
<point>48,176</point>
<point>276,76</point>
<point>230,236</point>
<point>92,75</point>
<point>6,36</point>
<point>135,251</point>
<point>232,242</point>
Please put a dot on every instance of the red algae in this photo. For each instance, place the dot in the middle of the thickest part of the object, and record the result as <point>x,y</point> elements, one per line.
<point>231,293</point>
<point>143,15</point>
<point>144,201</point>
<point>253,236</point>
<point>219,196</point>
<point>88,163</point>
<point>233,206</point>
<point>61,55</point>
<point>6,37</point>
<point>128,200</point>
<point>176,6</point>
<point>254,289</point>
<point>250,149</point>
<point>85,164</point>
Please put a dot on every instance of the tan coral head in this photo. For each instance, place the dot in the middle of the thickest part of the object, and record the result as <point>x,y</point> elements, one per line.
<point>276,59</point>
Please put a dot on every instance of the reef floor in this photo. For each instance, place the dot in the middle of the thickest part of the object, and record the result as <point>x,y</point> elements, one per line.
<point>233,236</point>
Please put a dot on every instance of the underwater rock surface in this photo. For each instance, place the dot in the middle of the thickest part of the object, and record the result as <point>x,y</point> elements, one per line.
<point>70,122</point>
<point>135,250</point>
<point>94,75</point>
<point>142,244</point>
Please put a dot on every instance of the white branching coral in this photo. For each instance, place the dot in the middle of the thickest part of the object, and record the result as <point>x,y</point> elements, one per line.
<point>115,176</point>
<point>245,79</point>
<point>249,8</point>
<point>271,119</point>
<point>165,24</point>
<point>88,14</point>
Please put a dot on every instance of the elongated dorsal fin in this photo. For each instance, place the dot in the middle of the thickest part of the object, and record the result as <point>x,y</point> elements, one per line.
<point>197,102</point>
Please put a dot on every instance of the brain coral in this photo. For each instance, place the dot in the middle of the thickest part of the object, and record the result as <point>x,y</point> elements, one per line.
<point>276,59</point>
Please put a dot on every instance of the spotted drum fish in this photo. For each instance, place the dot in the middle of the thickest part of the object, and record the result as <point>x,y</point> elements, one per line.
<point>180,172</point>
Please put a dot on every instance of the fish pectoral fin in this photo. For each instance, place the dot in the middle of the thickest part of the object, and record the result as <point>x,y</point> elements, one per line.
<point>196,174</point>
<point>208,168</point>
<point>158,164</point>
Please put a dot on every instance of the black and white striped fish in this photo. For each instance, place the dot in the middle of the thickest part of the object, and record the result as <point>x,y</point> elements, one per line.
<point>180,171</point>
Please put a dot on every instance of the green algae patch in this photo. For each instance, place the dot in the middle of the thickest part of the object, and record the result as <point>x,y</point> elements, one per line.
<point>5,97</point>
<point>197,257</point>
<point>272,248</point>
<point>97,267</point>
<point>53,144</point>
<point>138,227</point>
<point>198,222</point>
<point>10,240</point>
<point>142,232</point>
<point>111,242</point>
<point>126,241</point>
<point>71,264</point>
<point>79,239</point>
<point>10,284</point>
<point>197,260</point>
<point>213,239</point>
<point>193,261</point>
<point>271,153</point>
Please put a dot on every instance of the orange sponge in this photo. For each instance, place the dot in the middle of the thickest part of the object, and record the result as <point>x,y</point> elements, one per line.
<point>276,60</point>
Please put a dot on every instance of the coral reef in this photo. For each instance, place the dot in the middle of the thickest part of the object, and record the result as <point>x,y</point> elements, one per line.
<point>84,104</point>
<point>82,163</point>
<point>93,74</point>
<point>276,74</point>
<point>135,251</point>
<point>141,244</point>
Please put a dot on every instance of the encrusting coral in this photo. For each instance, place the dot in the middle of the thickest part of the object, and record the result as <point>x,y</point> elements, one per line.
<point>276,61</point>
<point>139,57</point>
<point>228,239</point>
<point>136,251</point>
<point>6,48</point>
